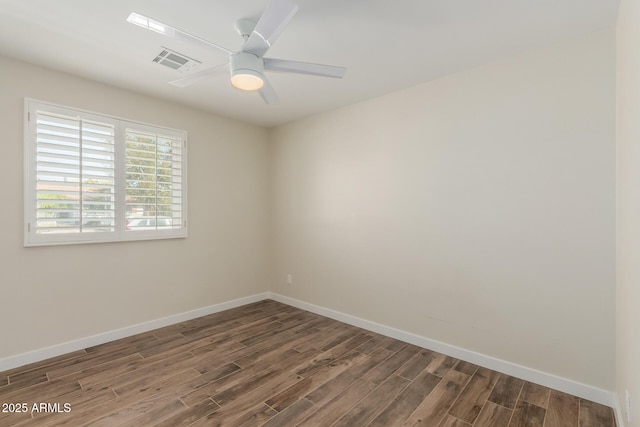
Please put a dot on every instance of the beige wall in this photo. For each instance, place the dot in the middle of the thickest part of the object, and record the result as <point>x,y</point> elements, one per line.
<point>477,209</point>
<point>50,295</point>
<point>628,205</point>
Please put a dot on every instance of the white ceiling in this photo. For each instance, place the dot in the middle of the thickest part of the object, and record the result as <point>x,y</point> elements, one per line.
<point>386,45</point>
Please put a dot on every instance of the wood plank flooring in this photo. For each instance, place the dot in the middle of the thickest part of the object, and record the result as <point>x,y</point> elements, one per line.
<point>269,364</point>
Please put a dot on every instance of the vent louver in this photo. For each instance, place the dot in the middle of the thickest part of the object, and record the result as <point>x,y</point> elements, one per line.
<point>174,60</point>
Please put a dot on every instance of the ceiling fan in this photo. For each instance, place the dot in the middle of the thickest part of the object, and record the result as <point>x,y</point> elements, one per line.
<point>247,66</point>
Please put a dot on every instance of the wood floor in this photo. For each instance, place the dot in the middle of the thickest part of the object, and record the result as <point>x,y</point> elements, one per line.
<point>269,364</point>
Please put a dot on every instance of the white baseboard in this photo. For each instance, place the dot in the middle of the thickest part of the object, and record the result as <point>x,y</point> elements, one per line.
<point>568,386</point>
<point>79,344</point>
<point>617,411</point>
<point>584,391</point>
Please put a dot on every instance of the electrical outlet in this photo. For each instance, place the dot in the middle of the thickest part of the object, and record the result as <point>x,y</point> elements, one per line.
<point>289,279</point>
<point>627,399</point>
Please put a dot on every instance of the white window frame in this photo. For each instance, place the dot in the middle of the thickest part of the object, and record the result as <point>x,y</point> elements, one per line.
<point>120,233</point>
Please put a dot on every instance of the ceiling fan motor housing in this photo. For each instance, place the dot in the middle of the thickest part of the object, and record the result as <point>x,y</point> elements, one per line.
<point>247,71</point>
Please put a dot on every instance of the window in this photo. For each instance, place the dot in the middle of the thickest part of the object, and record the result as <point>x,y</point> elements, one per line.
<point>94,178</point>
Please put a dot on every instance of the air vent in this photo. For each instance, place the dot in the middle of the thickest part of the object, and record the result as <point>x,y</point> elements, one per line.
<point>174,60</point>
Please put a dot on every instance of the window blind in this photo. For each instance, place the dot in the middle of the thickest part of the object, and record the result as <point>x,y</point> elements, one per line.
<point>95,178</point>
<point>75,185</point>
<point>154,180</point>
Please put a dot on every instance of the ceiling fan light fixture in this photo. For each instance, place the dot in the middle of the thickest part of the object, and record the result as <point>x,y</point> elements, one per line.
<point>247,71</point>
<point>247,80</point>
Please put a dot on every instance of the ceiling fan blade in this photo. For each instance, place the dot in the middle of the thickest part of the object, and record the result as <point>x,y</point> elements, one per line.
<point>268,94</point>
<point>196,77</point>
<point>286,66</point>
<point>169,31</point>
<point>275,17</point>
